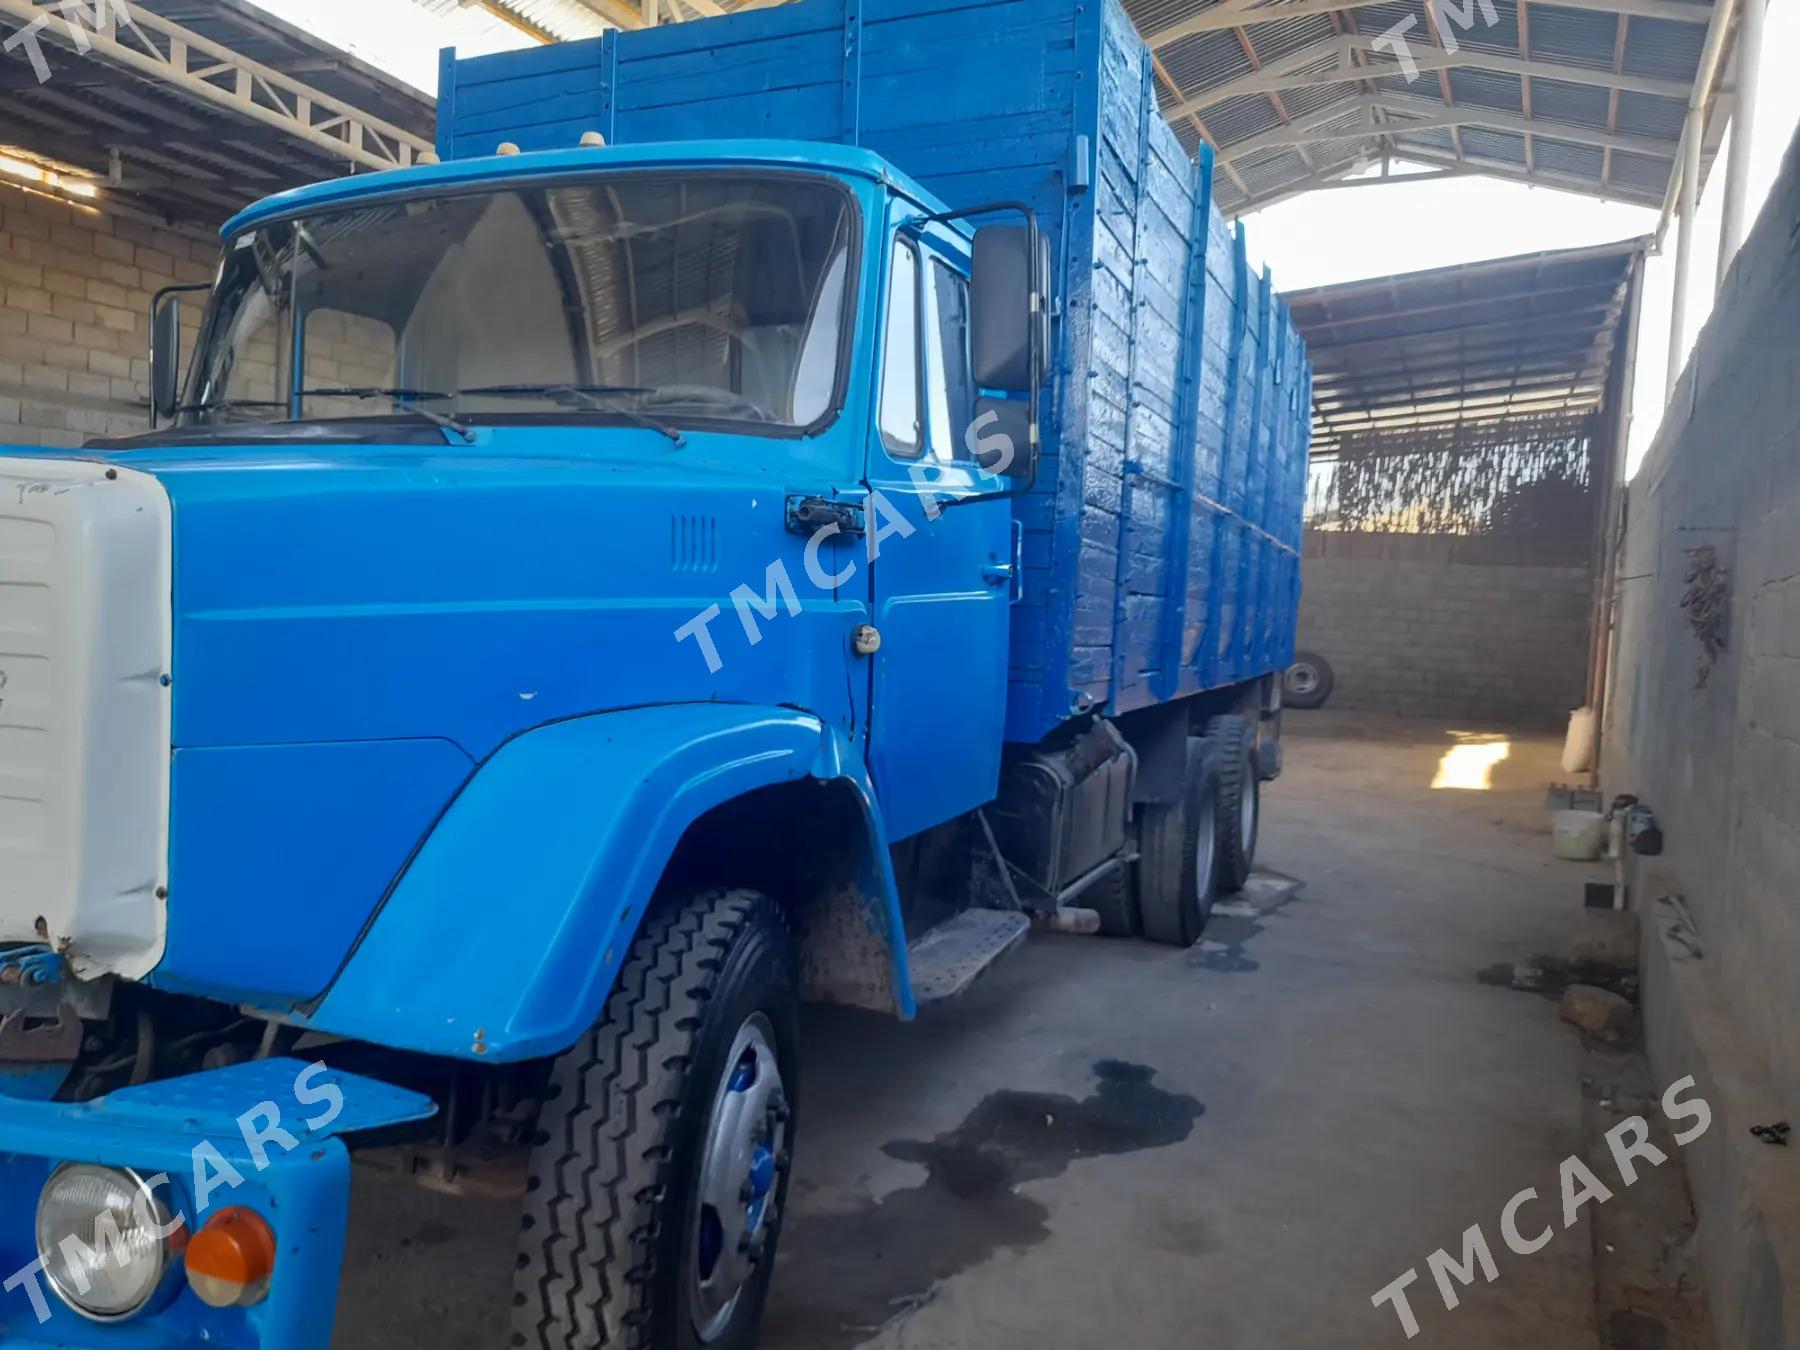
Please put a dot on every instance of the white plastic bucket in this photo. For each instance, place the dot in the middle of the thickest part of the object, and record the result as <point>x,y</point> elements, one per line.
<point>1579,836</point>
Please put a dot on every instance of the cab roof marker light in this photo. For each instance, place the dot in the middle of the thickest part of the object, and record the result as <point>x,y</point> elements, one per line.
<point>507,148</point>
<point>592,139</point>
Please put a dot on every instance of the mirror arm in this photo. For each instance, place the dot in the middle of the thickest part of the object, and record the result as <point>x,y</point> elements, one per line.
<point>1039,359</point>
<point>156,303</point>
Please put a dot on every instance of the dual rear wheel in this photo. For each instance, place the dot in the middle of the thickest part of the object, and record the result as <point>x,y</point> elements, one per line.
<point>1203,843</point>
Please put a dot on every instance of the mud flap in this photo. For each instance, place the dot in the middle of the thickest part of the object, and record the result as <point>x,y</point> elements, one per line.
<point>263,1135</point>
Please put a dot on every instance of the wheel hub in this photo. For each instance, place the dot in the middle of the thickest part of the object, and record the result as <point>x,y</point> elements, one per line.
<point>740,1174</point>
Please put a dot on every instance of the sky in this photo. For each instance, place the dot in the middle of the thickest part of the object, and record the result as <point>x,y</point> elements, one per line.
<point>1312,240</point>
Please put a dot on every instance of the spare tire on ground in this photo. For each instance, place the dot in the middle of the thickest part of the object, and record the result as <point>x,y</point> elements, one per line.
<point>1308,682</point>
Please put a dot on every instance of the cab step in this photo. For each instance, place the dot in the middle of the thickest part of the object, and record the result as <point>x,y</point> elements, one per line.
<point>947,959</point>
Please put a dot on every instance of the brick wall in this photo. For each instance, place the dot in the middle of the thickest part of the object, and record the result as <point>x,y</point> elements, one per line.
<point>1409,629</point>
<point>1720,762</point>
<point>75,287</point>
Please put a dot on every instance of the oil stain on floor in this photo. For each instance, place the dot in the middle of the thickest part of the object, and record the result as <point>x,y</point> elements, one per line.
<point>1235,922</point>
<point>867,1268</point>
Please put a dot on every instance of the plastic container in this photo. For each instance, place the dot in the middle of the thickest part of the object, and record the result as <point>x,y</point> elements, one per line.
<point>1581,742</point>
<point>1578,836</point>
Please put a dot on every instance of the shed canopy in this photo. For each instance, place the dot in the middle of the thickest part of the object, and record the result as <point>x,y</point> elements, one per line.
<point>189,109</point>
<point>1588,95</point>
<point>1527,336</point>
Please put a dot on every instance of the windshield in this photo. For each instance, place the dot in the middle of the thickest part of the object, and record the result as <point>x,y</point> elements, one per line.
<point>651,299</point>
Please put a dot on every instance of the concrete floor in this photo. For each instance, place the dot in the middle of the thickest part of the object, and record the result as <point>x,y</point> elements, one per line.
<point>1234,1146</point>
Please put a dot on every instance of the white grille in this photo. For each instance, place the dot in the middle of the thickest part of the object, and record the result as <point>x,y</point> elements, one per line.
<point>84,711</point>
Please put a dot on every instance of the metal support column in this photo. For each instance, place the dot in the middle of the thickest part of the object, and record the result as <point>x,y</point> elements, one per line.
<point>1743,131</point>
<point>1684,246</point>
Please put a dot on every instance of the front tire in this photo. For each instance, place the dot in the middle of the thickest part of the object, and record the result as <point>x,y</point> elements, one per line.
<point>659,1179</point>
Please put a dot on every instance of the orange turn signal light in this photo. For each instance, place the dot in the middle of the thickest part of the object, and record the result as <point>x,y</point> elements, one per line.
<point>231,1259</point>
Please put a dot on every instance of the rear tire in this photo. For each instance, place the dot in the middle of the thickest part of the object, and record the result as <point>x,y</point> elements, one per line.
<point>638,1230</point>
<point>1178,847</point>
<point>1113,900</point>
<point>1240,798</point>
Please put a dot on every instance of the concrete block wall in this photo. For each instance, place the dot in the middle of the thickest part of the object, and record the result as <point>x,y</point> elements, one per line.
<point>1416,632</point>
<point>75,288</point>
<point>1719,760</point>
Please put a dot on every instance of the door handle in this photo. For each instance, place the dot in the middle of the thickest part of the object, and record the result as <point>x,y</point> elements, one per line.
<point>998,573</point>
<point>809,515</point>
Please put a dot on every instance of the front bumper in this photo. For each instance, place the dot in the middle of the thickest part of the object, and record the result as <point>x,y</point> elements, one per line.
<point>213,1136</point>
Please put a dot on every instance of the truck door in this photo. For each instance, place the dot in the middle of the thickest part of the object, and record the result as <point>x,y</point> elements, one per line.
<point>943,576</point>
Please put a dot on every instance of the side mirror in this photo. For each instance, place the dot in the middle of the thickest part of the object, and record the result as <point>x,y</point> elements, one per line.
<point>1001,437</point>
<point>1009,312</point>
<point>165,357</point>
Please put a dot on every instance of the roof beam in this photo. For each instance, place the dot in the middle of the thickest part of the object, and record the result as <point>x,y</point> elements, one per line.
<point>1305,305</point>
<point>1464,335</point>
<point>1551,178</point>
<point>211,72</point>
<point>1231,13</point>
<point>1287,77</point>
<point>1161,73</point>
<point>1620,33</point>
<point>1319,179</point>
<point>1460,115</point>
<point>618,13</point>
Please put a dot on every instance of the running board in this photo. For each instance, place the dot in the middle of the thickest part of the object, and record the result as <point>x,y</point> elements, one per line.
<point>947,959</point>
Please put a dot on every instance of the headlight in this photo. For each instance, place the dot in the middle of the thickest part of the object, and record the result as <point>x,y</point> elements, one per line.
<point>104,1239</point>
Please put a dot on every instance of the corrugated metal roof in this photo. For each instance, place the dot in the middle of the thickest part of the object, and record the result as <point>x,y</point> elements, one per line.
<point>1600,87</point>
<point>1426,349</point>
<point>563,20</point>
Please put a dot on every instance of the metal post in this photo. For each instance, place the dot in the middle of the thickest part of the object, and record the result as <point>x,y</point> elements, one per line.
<point>1684,245</point>
<point>1743,131</point>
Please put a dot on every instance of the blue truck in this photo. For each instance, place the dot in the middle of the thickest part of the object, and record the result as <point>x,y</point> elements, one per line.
<point>780,506</point>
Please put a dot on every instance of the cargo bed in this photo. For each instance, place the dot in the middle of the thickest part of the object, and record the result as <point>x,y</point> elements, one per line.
<point>1162,539</point>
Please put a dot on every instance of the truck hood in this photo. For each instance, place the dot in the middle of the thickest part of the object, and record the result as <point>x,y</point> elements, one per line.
<point>335,638</point>
<point>350,593</point>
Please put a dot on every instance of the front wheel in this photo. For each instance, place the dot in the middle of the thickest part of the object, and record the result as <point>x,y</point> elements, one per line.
<point>659,1179</point>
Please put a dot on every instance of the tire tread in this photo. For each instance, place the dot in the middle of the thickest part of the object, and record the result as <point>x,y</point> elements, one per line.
<point>588,1250</point>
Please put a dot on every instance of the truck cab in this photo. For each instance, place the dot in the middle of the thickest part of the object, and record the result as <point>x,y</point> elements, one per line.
<point>552,573</point>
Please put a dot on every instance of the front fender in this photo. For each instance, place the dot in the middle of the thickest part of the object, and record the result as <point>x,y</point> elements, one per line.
<point>502,938</point>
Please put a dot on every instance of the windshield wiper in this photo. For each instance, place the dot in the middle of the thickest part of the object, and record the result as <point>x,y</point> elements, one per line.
<point>227,404</point>
<point>591,396</point>
<point>374,391</point>
<point>404,396</point>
